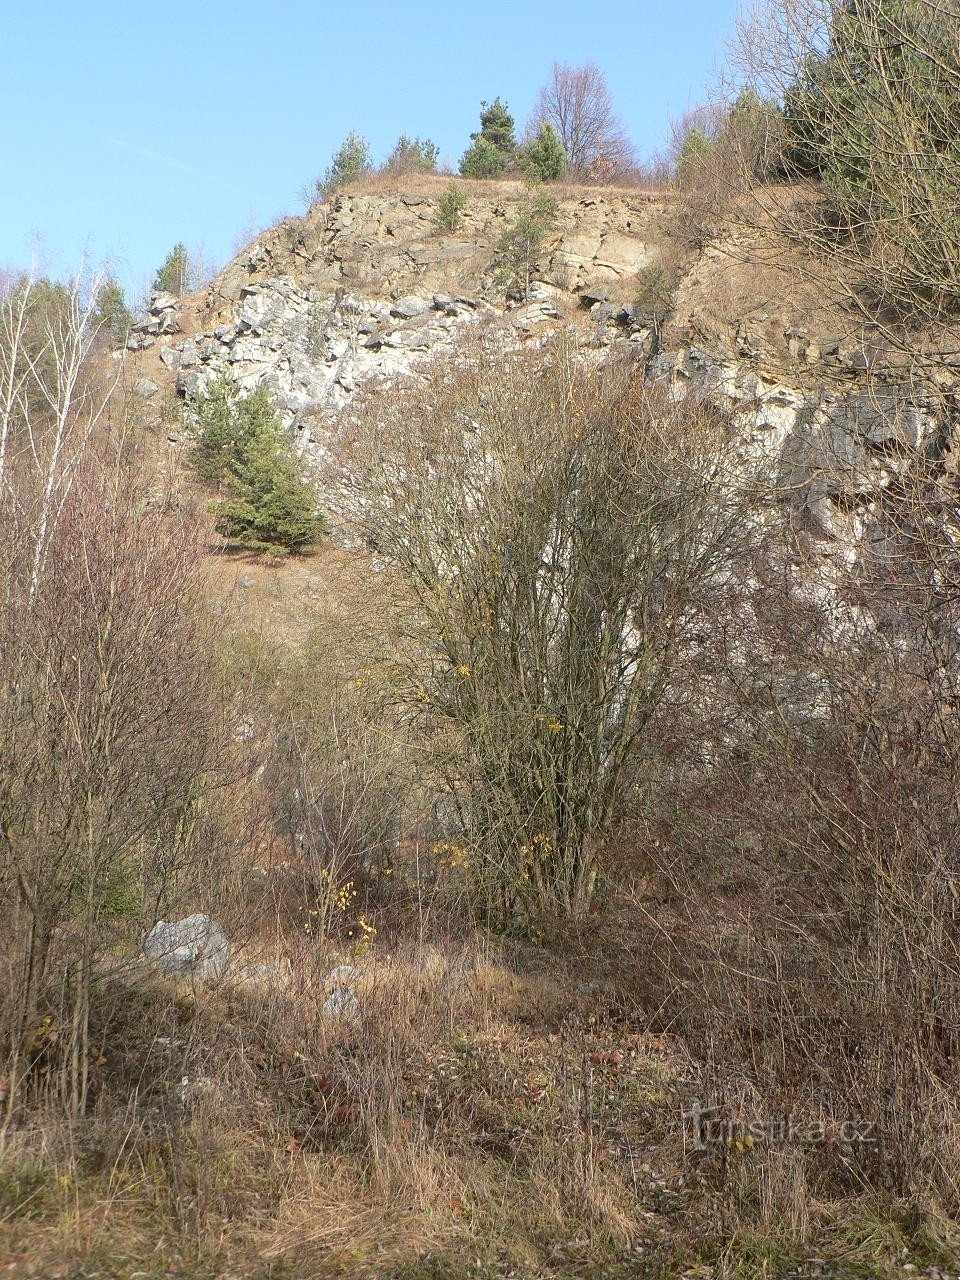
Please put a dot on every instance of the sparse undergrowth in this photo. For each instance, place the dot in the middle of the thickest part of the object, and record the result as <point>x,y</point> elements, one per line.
<point>469,1115</point>
<point>474,1120</point>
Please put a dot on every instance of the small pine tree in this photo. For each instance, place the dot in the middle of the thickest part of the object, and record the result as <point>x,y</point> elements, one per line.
<point>496,125</point>
<point>494,148</point>
<point>450,206</point>
<point>269,503</point>
<point>482,159</point>
<point>174,275</point>
<point>519,246</point>
<point>350,161</point>
<point>112,313</point>
<point>543,158</point>
<point>692,157</point>
<point>227,421</point>
<point>412,155</point>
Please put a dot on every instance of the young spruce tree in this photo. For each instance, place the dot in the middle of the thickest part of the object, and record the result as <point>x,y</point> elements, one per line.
<point>269,503</point>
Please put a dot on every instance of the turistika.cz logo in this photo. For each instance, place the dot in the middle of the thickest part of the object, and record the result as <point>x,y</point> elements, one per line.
<point>705,1127</point>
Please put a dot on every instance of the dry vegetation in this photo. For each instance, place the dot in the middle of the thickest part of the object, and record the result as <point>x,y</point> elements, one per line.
<point>434,184</point>
<point>579,792</point>
<point>494,1102</point>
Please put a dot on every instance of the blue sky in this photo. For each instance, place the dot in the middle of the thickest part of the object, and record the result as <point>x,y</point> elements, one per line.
<point>125,127</point>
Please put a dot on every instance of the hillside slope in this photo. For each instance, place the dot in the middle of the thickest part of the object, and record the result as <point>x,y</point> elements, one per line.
<point>367,285</point>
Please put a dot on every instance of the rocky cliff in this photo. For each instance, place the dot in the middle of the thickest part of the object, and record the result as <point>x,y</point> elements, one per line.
<point>368,285</point>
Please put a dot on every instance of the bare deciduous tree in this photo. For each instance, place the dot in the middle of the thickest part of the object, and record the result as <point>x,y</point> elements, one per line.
<point>108,719</point>
<point>49,406</point>
<point>576,103</point>
<point>809,930</point>
<point>558,529</point>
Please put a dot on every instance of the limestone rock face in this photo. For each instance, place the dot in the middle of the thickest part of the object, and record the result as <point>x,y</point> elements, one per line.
<point>312,349</point>
<point>365,288</point>
<point>392,245</point>
<point>831,446</point>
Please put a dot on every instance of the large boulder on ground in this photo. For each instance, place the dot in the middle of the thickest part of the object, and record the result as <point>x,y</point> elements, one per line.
<point>195,947</point>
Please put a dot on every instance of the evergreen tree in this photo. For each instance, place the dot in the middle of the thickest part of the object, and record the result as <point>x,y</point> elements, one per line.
<point>227,422</point>
<point>112,313</point>
<point>350,161</point>
<point>450,206</point>
<point>692,156</point>
<point>482,159</point>
<point>544,158</point>
<point>519,246</point>
<point>270,503</point>
<point>174,275</point>
<point>494,148</point>
<point>412,155</point>
<point>496,125</point>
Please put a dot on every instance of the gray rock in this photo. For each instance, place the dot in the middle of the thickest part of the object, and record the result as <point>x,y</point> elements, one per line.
<point>170,357</point>
<point>590,297</point>
<point>138,341</point>
<point>340,1003</point>
<point>882,418</point>
<point>162,301</point>
<point>262,975</point>
<point>195,947</point>
<point>534,314</point>
<point>407,308</point>
<point>145,387</point>
<point>341,975</point>
<point>188,382</point>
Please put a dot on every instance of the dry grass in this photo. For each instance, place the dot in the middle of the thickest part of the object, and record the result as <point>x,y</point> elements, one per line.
<point>477,1117</point>
<point>430,185</point>
<point>467,1113</point>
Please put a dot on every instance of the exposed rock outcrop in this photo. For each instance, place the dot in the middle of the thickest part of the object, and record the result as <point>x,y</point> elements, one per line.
<point>365,288</point>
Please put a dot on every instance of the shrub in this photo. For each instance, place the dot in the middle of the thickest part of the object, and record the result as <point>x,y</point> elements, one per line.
<point>350,161</point>
<point>106,757</point>
<point>544,158</point>
<point>269,504</point>
<point>656,292</point>
<point>451,205</point>
<point>810,843</point>
<point>412,155</point>
<point>537,513</point>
